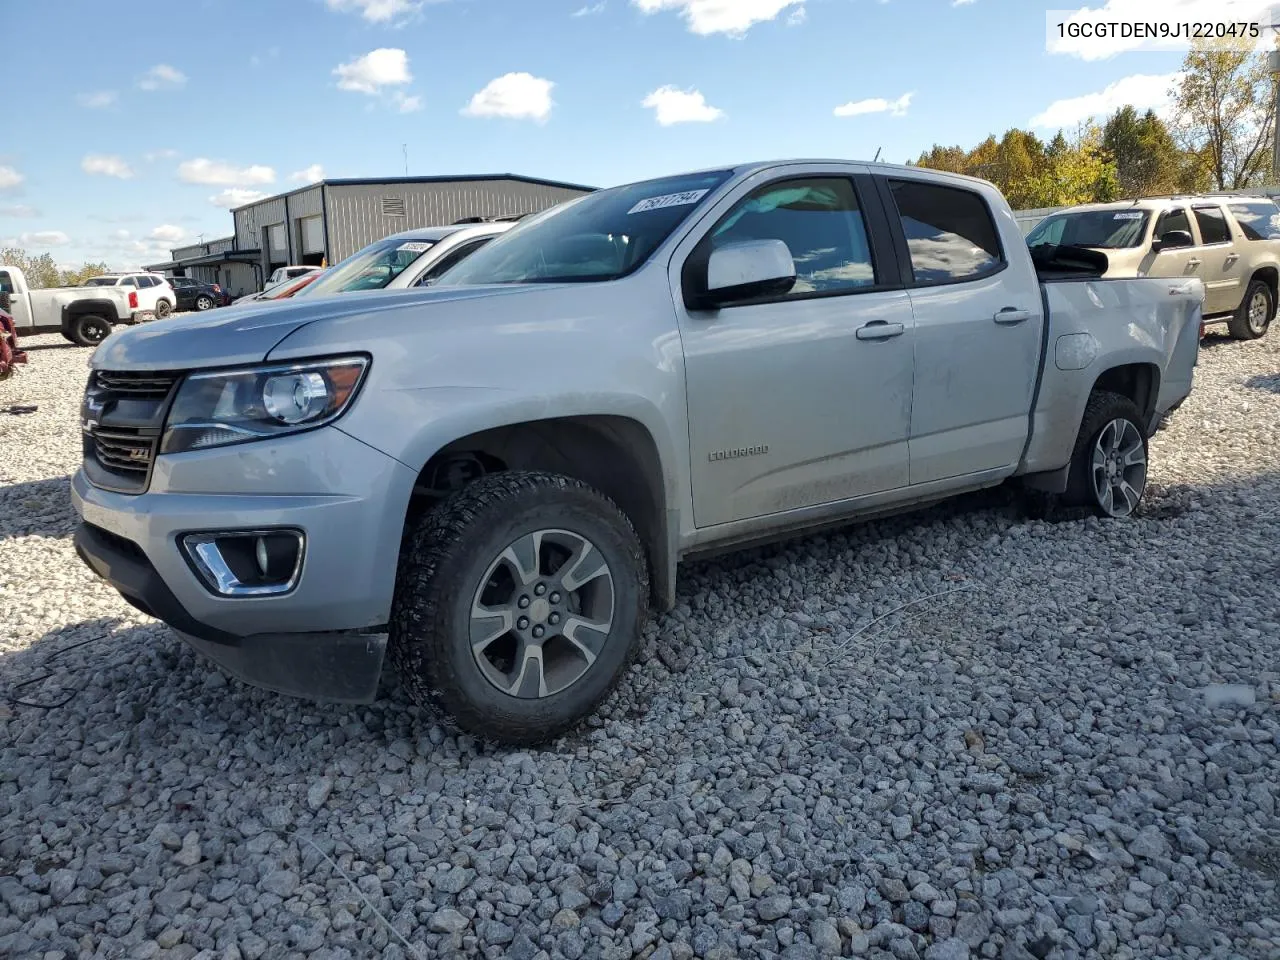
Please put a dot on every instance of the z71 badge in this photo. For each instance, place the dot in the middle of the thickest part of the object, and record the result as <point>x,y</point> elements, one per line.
<point>738,453</point>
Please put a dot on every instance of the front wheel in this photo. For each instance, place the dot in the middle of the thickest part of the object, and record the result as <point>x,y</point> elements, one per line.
<point>204,302</point>
<point>1109,464</point>
<point>519,604</point>
<point>1254,315</point>
<point>89,330</point>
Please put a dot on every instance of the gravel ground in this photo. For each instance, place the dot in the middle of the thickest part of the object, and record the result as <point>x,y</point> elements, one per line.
<point>1075,753</point>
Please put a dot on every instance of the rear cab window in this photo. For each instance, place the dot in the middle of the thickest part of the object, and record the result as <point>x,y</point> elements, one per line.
<point>951,235</point>
<point>1213,225</point>
<point>1258,219</point>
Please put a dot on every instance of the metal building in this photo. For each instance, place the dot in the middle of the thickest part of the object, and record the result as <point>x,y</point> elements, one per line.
<point>330,220</point>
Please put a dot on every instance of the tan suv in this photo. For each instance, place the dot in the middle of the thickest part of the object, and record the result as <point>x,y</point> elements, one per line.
<point>1231,243</point>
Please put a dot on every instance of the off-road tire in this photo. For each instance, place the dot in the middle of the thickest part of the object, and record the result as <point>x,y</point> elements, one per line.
<point>88,330</point>
<point>1240,326</point>
<point>163,308</point>
<point>1103,408</point>
<point>443,559</point>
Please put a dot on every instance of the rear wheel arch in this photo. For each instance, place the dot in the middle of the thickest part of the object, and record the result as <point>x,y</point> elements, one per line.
<point>615,455</point>
<point>1140,382</point>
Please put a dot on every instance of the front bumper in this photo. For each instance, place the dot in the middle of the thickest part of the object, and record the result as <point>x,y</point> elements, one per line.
<point>325,639</point>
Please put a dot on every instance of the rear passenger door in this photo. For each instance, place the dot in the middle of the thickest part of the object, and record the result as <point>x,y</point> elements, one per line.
<point>978,329</point>
<point>1222,270</point>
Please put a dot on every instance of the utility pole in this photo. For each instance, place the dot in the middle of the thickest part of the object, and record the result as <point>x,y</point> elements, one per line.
<point>1273,64</point>
<point>405,148</point>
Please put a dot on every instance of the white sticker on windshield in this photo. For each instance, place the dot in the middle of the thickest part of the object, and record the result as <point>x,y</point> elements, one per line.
<point>670,200</point>
<point>414,246</point>
<point>1127,216</point>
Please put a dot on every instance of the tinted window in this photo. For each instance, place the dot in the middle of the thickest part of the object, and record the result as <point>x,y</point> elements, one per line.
<point>128,282</point>
<point>950,234</point>
<point>1172,220</point>
<point>146,281</point>
<point>1259,219</point>
<point>1105,229</point>
<point>599,237</point>
<point>451,260</point>
<point>6,282</point>
<point>821,225</point>
<point>1213,225</point>
<point>102,282</point>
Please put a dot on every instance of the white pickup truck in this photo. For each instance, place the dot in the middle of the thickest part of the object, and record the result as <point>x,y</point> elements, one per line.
<point>492,479</point>
<point>84,315</point>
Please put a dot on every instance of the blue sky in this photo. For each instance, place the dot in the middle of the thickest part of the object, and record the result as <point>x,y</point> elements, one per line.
<point>131,131</point>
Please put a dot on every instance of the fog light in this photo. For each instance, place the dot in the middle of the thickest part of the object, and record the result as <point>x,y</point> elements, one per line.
<point>247,563</point>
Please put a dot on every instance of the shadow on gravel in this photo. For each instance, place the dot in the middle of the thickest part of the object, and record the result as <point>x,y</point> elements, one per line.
<point>31,348</point>
<point>1269,382</point>
<point>39,508</point>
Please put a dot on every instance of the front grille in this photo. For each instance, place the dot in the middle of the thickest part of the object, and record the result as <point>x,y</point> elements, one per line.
<point>153,385</point>
<point>122,420</point>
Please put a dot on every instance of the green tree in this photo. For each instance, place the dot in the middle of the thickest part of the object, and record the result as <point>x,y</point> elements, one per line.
<point>86,271</point>
<point>1147,159</point>
<point>40,271</point>
<point>1076,171</point>
<point>1226,111</point>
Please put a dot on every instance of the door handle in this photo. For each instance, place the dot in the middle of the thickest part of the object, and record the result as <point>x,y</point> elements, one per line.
<point>1194,263</point>
<point>1011,315</point>
<point>879,330</point>
<point>1232,258</point>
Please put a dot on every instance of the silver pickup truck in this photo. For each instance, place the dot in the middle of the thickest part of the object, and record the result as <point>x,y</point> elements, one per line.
<point>495,479</point>
<point>84,315</point>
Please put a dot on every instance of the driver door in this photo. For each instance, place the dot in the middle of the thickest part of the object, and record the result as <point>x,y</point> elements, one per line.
<point>804,398</point>
<point>1182,261</point>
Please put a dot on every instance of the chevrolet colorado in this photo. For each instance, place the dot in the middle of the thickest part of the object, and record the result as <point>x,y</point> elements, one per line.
<point>492,480</point>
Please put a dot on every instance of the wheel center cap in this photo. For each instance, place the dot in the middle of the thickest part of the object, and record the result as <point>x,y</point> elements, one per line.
<point>539,610</point>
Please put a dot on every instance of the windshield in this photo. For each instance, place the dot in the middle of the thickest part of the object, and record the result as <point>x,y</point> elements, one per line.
<point>1105,229</point>
<point>369,269</point>
<point>602,236</point>
<point>101,282</point>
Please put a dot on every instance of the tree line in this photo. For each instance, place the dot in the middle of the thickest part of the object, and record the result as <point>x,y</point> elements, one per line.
<point>1218,137</point>
<point>42,272</point>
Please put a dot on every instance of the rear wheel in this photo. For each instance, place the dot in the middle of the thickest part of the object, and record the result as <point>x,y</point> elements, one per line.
<point>163,309</point>
<point>519,605</point>
<point>1109,464</point>
<point>1255,313</point>
<point>204,302</point>
<point>89,330</point>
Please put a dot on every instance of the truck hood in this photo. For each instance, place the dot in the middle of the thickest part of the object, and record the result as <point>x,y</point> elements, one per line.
<point>247,334</point>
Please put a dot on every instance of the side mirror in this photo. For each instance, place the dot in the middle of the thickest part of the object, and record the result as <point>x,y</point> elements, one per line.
<point>744,271</point>
<point>1173,240</point>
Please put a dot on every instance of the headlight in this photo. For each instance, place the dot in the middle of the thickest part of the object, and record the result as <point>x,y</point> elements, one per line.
<point>235,406</point>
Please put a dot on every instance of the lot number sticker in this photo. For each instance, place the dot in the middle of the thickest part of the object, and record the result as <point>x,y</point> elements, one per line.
<point>414,246</point>
<point>670,200</point>
<point>1128,216</point>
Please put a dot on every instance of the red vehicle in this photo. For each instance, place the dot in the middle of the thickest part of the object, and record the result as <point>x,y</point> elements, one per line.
<point>10,355</point>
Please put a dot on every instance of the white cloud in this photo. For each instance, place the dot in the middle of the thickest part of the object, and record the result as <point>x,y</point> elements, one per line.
<point>106,165</point>
<point>151,156</point>
<point>44,238</point>
<point>162,77</point>
<point>1141,91</point>
<point>98,100</point>
<point>236,197</point>
<point>165,233</point>
<point>734,17</point>
<point>1145,11</point>
<point>384,67</point>
<point>310,174</point>
<point>672,105</point>
<point>518,96</point>
<point>378,11</point>
<point>18,210</point>
<point>405,103</point>
<point>856,108</point>
<point>962,3</point>
<point>590,10</point>
<point>9,178</point>
<point>798,16</point>
<point>220,173</point>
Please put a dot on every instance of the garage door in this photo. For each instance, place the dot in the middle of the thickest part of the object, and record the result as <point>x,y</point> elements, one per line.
<point>313,235</point>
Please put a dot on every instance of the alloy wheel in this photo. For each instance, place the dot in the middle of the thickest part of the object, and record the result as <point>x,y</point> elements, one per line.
<point>1119,468</point>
